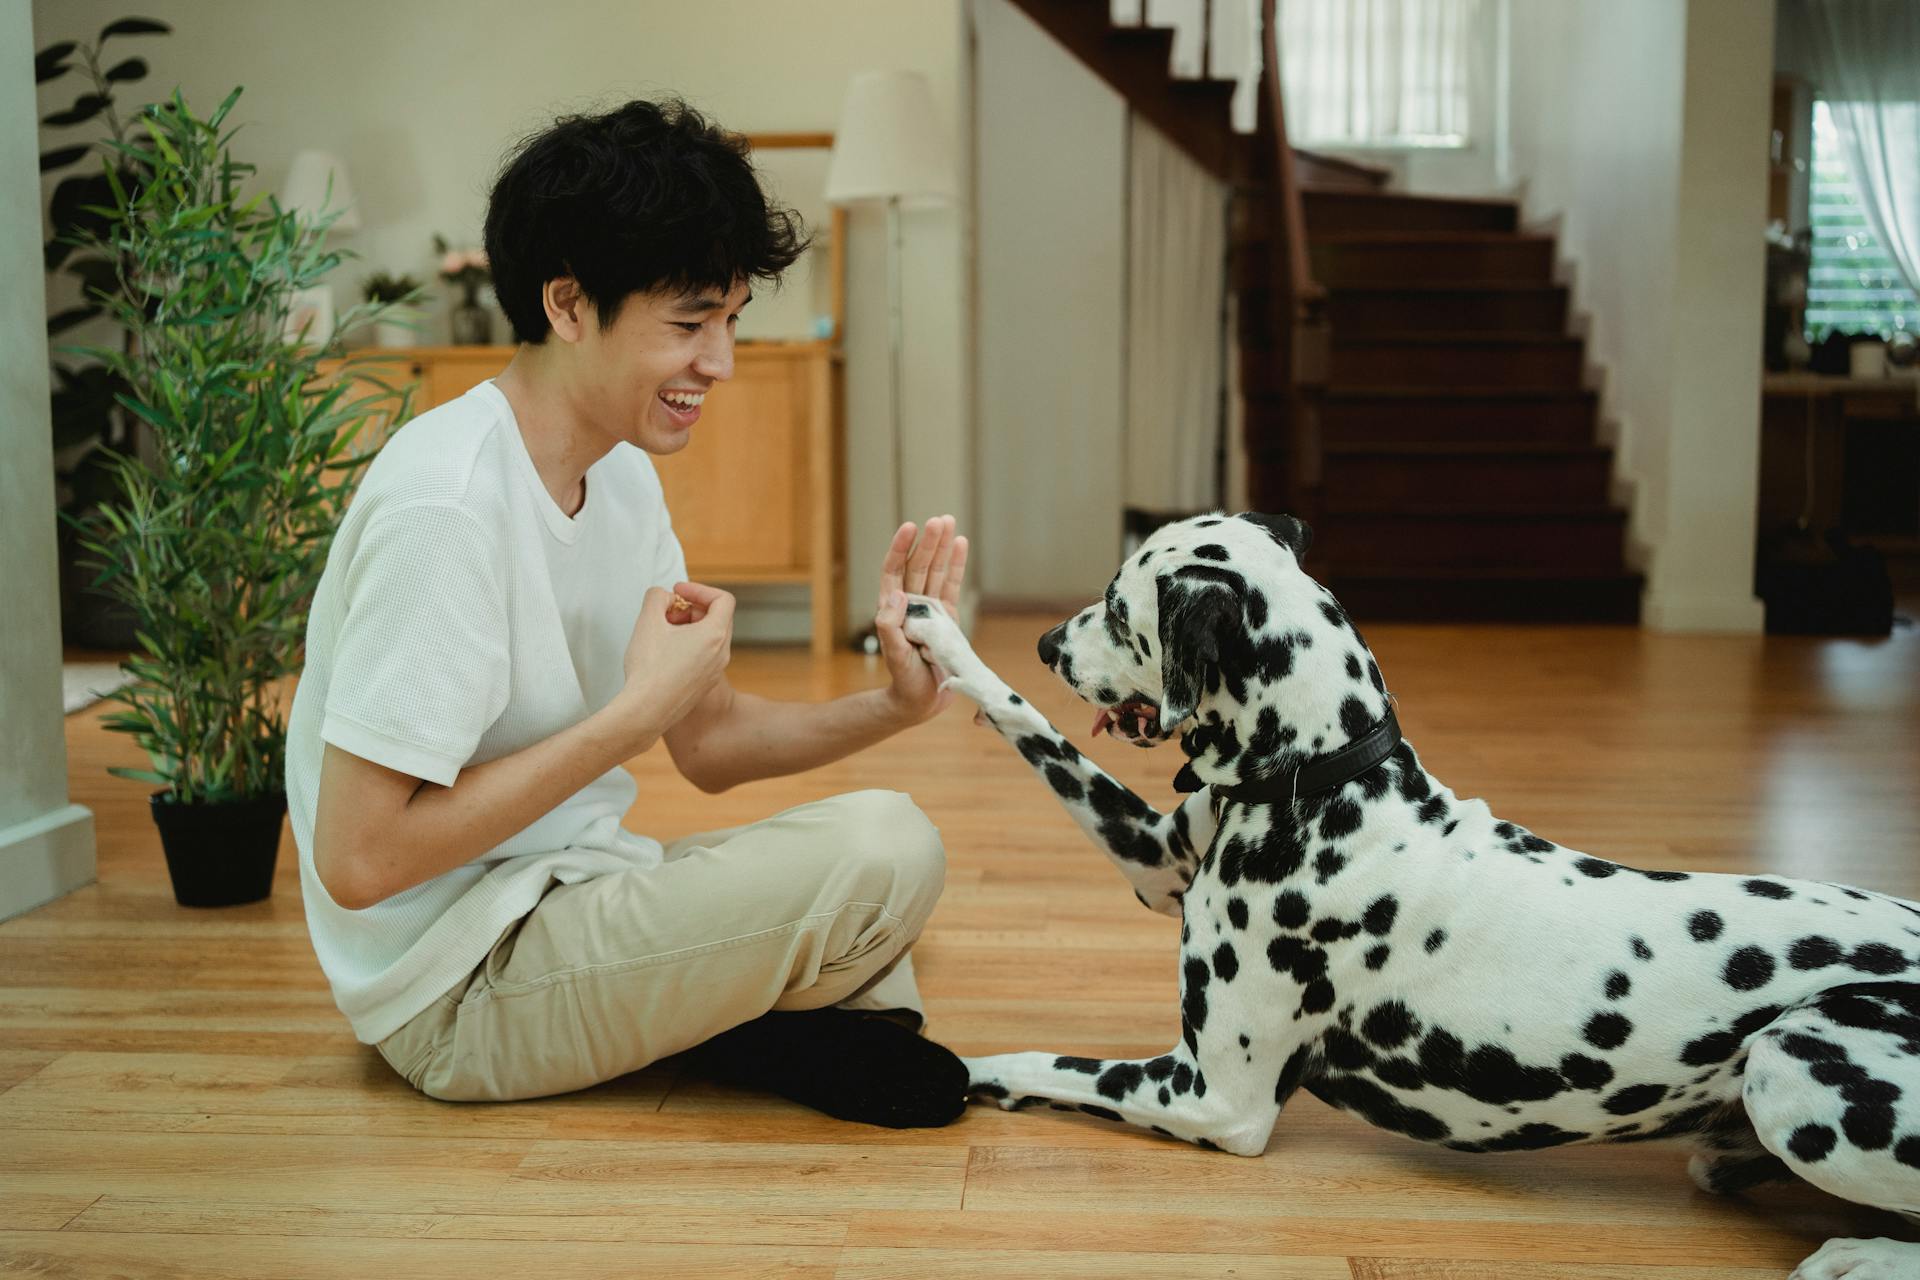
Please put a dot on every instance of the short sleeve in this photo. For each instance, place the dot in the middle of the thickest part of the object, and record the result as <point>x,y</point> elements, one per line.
<point>670,562</point>
<point>420,664</point>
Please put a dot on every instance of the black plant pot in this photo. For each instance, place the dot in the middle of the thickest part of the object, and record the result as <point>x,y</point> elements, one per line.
<point>220,854</point>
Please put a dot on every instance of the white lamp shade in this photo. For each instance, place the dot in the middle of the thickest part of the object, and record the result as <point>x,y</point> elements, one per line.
<point>305,190</point>
<point>890,142</point>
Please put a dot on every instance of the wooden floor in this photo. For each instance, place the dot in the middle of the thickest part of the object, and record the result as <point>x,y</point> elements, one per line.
<point>178,1096</point>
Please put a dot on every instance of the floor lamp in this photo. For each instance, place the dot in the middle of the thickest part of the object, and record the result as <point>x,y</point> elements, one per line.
<point>890,147</point>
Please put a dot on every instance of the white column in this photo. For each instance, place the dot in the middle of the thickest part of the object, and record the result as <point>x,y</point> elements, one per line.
<point>46,844</point>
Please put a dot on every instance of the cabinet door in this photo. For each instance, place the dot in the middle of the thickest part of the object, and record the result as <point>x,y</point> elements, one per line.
<point>732,489</point>
<point>385,378</point>
<point>454,371</point>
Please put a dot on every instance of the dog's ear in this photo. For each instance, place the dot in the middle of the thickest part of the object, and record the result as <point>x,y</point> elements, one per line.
<point>1198,619</point>
<point>1293,534</point>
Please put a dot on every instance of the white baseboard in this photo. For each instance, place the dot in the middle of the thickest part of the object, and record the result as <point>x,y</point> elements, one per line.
<point>44,858</point>
<point>1739,615</point>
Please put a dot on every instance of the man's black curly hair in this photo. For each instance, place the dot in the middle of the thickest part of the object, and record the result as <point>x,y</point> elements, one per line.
<point>648,196</point>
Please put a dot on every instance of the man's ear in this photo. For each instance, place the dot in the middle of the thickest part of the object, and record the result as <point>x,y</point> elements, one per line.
<point>1197,619</point>
<point>1293,534</point>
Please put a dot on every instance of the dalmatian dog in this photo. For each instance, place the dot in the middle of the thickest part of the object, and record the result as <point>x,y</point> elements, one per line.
<point>1352,927</point>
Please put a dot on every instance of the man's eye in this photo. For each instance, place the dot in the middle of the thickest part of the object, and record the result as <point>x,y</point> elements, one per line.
<point>691,326</point>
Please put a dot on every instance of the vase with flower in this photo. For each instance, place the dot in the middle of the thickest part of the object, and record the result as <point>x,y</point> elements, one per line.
<point>467,268</point>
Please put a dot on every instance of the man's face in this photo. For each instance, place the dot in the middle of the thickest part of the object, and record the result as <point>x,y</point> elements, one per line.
<point>656,364</point>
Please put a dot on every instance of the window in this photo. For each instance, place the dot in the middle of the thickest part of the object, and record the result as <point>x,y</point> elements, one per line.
<point>1378,73</point>
<point>1852,285</point>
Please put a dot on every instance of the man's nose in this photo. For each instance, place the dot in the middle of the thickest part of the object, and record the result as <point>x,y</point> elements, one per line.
<point>716,357</point>
<point>1050,644</point>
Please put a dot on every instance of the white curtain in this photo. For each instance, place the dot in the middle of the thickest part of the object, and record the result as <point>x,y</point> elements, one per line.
<point>1865,56</point>
<point>1376,72</point>
<point>1176,285</point>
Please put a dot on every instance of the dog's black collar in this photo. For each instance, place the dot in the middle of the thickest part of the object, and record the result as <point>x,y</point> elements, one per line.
<point>1322,773</point>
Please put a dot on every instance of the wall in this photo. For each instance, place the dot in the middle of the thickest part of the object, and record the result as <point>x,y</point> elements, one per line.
<point>46,844</point>
<point>423,99</point>
<point>1051,146</point>
<point>1639,135</point>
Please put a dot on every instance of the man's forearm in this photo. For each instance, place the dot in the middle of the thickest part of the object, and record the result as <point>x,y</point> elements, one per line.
<point>752,737</point>
<point>445,827</point>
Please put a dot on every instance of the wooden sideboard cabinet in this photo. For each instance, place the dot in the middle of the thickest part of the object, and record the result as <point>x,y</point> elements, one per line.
<point>755,496</point>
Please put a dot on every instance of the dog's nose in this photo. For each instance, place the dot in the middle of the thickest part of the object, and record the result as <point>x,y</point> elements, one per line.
<point>1050,644</point>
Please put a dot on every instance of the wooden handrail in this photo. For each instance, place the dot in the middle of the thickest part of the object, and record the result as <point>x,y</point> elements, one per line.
<point>1301,341</point>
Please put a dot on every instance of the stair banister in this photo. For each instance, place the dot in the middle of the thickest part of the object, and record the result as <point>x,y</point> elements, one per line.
<point>1302,341</point>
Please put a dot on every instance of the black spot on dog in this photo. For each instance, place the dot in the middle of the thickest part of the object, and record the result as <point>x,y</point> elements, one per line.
<point>1333,613</point>
<point>1596,868</point>
<point>1583,1072</point>
<point>1159,1068</point>
<point>1332,929</point>
<point>1225,963</point>
<point>1182,1078</point>
<point>1641,951</point>
<point>917,610</point>
<point>989,1090</point>
<point>1812,1143</point>
<point>1193,997</point>
<point>1354,718</point>
<point>1390,1025</point>
<point>1814,952</point>
<point>1087,1066</point>
<point>1291,910</point>
<point>1379,916</point>
<point>1210,551</point>
<point>1908,1152</point>
<point>1714,1047</point>
<point>1528,1137</point>
<point>1237,912</point>
<point>1767,889</point>
<point>1607,1030</point>
<point>1634,1099</point>
<point>1749,969</point>
<point>1877,957</point>
<point>1705,926</point>
<point>1618,985</point>
<point>1064,784</point>
<point>1353,666</point>
<point>1318,997</point>
<point>1378,1107</point>
<point>1327,864</point>
<point>1104,1113</point>
<point>1435,940</point>
<point>1377,958</point>
<point>1120,1079</point>
<point>1342,818</point>
<point>1667,877</point>
<point>1291,1075</point>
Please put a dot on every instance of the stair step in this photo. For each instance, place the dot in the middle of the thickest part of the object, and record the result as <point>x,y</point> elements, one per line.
<point>1413,258</point>
<point>1398,594</point>
<point>1391,415</point>
<point>1457,360</point>
<point>1331,211</point>
<point>1484,307</point>
<point>1431,537</point>
<point>1470,477</point>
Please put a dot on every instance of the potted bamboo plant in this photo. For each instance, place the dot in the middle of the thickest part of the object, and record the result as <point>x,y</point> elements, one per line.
<point>217,546</point>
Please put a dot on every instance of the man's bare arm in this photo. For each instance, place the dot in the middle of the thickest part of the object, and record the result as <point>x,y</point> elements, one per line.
<point>378,831</point>
<point>733,737</point>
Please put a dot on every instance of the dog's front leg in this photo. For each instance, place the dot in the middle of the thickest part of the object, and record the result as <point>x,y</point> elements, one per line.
<point>1222,1086</point>
<point>1157,852</point>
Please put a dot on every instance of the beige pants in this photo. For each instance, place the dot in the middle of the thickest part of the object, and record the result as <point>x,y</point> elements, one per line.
<point>812,907</point>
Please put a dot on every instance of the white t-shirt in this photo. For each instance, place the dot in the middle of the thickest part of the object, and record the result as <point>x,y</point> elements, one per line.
<point>461,617</point>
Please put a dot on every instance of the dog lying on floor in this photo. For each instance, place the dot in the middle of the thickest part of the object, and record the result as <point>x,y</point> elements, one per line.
<point>1352,927</point>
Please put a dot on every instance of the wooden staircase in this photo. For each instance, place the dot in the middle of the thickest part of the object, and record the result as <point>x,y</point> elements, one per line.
<point>1408,381</point>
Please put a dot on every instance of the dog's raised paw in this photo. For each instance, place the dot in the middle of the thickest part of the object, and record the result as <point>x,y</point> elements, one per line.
<point>930,627</point>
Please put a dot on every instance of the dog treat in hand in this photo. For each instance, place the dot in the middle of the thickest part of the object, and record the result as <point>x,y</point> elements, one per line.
<point>679,604</point>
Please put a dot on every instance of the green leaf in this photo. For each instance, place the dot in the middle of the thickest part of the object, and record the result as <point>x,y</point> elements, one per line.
<point>140,775</point>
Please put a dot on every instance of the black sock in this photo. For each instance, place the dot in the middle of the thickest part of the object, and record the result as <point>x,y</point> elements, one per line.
<point>853,1066</point>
